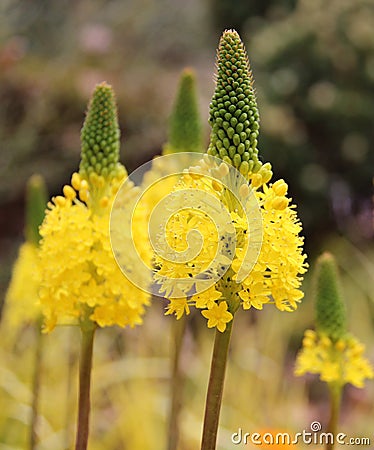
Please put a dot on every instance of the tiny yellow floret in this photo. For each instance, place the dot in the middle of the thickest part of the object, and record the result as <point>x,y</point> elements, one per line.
<point>280,188</point>
<point>59,200</point>
<point>280,203</point>
<point>69,192</point>
<point>76,181</point>
<point>218,316</point>
<point>83,195</point>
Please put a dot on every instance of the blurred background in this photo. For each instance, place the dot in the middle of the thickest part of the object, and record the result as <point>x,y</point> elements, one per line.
<point>313,64</point>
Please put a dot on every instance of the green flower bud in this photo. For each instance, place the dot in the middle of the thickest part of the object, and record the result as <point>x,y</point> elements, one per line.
<point>100,135</point>
<point>185,130</point>
<point>234,102</point>
<point>36,203</point>
<point>330,309</point>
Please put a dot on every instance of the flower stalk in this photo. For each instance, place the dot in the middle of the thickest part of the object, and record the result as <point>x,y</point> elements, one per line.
<point>177,380</point>
<point>85,369</point>
<point>335,390</point>
<point>215,388</point>
<point>36,382</point>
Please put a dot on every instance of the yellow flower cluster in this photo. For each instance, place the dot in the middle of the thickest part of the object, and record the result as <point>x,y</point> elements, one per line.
<point>22,303</point>
<point>80,277</point>
<point>275,277</point>
<point>276,274</point>
<point>338,362</point>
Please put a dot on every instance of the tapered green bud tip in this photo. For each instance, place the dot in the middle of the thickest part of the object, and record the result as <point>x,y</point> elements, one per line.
<point>100,135</point>
<point>185,130</point>
<point>234,115</point>
<point>330,309</point>
<point>36,203</point>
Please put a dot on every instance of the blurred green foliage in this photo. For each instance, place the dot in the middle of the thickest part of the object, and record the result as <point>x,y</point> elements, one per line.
<point>315,72</point>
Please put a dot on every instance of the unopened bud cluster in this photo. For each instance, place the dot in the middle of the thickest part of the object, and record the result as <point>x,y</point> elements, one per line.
<point>234,115</point>
<point>100,135</point>
<point>330,308</point>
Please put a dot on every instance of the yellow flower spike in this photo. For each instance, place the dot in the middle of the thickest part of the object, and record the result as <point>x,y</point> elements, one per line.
<point>281,262</point>
<point>81,279</point>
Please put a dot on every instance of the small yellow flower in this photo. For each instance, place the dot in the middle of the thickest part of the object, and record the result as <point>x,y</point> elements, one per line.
<point>178,306</point>
<point>218,316</point>
<point>207,298</point>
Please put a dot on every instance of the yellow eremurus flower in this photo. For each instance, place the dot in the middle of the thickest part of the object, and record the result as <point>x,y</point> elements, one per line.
<point>330,350</point>
<point>80,277</point>
<point>22,297</point>
<point>274,241</point>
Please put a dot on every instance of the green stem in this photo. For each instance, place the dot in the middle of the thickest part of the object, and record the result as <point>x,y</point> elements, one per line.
<point>72,356</point>
<point>85,367</point>
<point>36,389</point>
<point>215,388</point>
<point>178,330</point>
<point>335,400</point>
